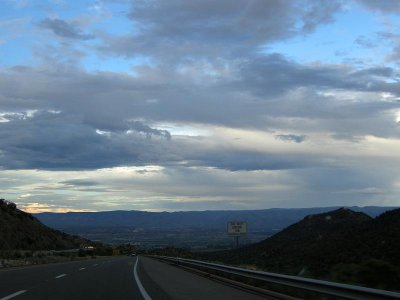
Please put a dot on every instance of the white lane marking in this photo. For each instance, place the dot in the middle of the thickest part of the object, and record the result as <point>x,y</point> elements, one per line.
<point>139,284</point>
<point>94,265</point>
<point>61,275</point>
<point>13,295</point>
<point>81,269</point>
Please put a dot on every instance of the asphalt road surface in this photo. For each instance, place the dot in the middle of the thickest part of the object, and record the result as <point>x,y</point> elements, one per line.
<point>116,278</point>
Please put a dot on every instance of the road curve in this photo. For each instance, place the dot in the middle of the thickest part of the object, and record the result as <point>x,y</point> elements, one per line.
<point>114,278</point>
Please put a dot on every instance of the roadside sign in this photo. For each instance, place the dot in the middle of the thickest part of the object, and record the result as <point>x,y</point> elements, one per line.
<point>237,228</point>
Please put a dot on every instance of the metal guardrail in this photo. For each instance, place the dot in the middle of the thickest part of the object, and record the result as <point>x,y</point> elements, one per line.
<point>345,291</point>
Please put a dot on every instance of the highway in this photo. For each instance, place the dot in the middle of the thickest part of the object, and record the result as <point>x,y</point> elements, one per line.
<point>113,278</point>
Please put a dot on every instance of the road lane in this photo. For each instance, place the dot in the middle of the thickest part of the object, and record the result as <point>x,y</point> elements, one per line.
<point>165,282</point>
<point>13,295</point>
<point>142,290</point>
<point>12,280</point>
<point>111,278</point>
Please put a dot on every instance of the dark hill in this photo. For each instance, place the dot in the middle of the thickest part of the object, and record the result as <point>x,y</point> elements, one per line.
<point>341,245</point>
<point>20,230</point>
<point>380,238</point>
<point>304,245</point>
<point>317,241</point>
<point>318,227</point>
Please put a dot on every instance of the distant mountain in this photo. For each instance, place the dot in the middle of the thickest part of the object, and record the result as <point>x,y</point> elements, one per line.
<point>341,245</point>
<point>273,219</point>
<point>22,231</point>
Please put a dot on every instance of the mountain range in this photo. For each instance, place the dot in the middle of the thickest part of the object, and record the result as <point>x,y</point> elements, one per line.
<point>257,220</point>
<point>343,244</point>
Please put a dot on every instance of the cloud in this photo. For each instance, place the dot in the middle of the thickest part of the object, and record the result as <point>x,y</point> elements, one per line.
<point>205,113</point>
<point>176,30</point>
<point>35,207</point>
<point>79,182</point>
<point>291,138</point>
<point>365,42</point>
<point>392,39</point>
<point>50,140</point>
<point>275,73</point>
<point>140,127</point>
<point>387,6</point>
<point>394,56</point>
<point>25,196</point>
<point>260,91</point>
<point>68,118</point>
<point>64,29</point>
<point>57,141</point>
<point>19,3</point>
<point>199,188</point>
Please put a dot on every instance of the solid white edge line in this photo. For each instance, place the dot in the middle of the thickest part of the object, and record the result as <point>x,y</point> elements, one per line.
<point>13,295</point>
<point>139,284</point>
<point>59,276</point>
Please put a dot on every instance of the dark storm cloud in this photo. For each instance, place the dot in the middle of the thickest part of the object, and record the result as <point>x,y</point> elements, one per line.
<point>48,140</point>
<point>56,141</point>
<point>64,29</point>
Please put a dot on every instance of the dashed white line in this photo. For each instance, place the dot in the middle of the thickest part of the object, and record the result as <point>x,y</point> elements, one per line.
<point>94,265</point>
<point>139,284</point>
<point>13,295</point>
<point>81,269</point>
<point>61,275</point>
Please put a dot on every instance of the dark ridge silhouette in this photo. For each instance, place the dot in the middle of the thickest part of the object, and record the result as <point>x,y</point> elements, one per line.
<point>21,231</point>
<point>340,245</point>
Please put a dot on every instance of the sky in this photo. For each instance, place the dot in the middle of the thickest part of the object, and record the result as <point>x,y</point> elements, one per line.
<point>199,105</point>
